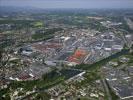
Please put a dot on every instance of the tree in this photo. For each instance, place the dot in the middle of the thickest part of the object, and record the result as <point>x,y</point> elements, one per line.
<point>0,55</point>
<point>131,49</point>
<point>4,58</point>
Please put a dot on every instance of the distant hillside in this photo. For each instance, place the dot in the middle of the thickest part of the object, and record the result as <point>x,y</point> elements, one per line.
<point>12,9</point>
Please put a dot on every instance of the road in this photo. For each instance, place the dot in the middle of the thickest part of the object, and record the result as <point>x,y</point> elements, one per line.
<point>106,89</point>
<point>122,35</point>
<point>129,22</point>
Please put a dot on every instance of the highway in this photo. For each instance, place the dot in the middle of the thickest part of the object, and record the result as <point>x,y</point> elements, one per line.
<point>106,89</point>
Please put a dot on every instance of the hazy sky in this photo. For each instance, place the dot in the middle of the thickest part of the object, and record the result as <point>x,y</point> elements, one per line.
<point>69,3</point>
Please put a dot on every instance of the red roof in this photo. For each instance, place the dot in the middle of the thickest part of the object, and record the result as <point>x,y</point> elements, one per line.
<point>77,56</point>
<point>24,76</point>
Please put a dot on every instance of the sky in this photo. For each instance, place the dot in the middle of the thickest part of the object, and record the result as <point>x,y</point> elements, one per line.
<point>69,3</point>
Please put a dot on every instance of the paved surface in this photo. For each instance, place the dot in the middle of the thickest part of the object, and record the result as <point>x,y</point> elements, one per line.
<point>106,89</point>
